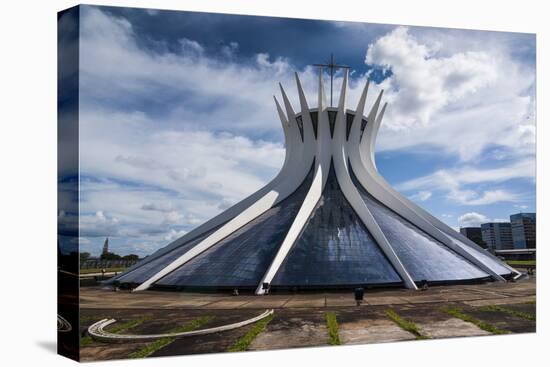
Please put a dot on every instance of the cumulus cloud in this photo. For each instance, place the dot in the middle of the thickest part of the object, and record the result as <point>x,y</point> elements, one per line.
<point>481,98</point>
<point>457,184</point>
<point>173,235</point>
<point>98,225</point>
<point>170,173</point>
<point>159,207</point>
<point>174,137</point>
<point>421,196</point>
<point>229,50</point>
<point>474,219</point>
<point>422,82</point>
<point>191,47</point>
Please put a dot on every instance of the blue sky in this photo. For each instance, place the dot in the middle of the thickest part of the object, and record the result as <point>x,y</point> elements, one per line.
<point>177,120</point>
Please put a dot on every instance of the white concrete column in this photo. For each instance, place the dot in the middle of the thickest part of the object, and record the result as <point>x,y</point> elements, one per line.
<point>291,145</point>
<point>297,171</point>
<point>363,164</point>
<point>352,195</point>
<point>322,166</point>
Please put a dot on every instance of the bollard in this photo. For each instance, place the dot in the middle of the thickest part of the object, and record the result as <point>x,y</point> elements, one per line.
<point>359,293</point>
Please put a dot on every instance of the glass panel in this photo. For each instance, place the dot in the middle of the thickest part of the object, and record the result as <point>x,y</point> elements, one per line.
<point>314,118</point>
<point>363,125</point>
<point>332,121</point>
<point>423,256</point>
<point>335,248</point>
<point>349,122</point>
<point>241,259</point>
<point>484,257</point>
<point>144,272</point>
<point>300,126</point>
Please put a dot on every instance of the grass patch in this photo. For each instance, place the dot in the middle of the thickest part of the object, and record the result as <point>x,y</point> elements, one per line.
<point>117,329</point>
<point>524,315</point>
<point>162,342</point>
<point>98,270</point>
<point>86,340</point>
<point>521,262</point>
<point>89,318</point>
<point>409,326</point>
<point>244,342</point>
<point>332,325</point>
<point>533,302</point>
<point>457,312</point>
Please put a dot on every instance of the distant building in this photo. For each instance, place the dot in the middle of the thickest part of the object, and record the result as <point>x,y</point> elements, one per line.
<point>105,247</point>
<point>474,234</point>
<point>497,236</point>
<point>524,233</point>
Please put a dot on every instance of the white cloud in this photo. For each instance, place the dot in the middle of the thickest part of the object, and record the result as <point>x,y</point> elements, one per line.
<point>186,163</point>
<point>493,196</point>
<point>474,219</point>
<point>191,47</point>
<point>230,49</point>
<point>424,83</point>
<point>421,196</point>
<point>98,225</point>
<point>83,241</point>
<point>172,217</point>
<point>170,173</point>
<point>522,207</point>
<point>159,207</point>
<point>173,234</point>
<point>460,102</point>
<point>455,183</point>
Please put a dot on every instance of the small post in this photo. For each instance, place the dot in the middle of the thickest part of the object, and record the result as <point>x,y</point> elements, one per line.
<point>359,295</point>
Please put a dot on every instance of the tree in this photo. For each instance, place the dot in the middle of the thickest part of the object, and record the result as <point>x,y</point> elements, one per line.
<point>131,257</point>
<point>84,256</point>
<point>110,256</point>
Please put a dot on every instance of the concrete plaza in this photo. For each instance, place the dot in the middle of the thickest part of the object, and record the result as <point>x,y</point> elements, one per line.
<point>300,319</point>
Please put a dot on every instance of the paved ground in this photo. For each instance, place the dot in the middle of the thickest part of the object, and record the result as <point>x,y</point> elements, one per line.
<point>300,319</point>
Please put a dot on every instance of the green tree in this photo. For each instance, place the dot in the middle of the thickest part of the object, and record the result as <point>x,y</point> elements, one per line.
<point>131,257</point>
<point>110,256</point>
<point>84,256</point>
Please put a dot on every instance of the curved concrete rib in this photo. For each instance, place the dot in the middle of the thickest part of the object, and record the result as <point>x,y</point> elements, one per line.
<point>363,164</point>
<point>322,166</point>
<point>63,326</point>
<point>297,172</point>
<point>352,195</point>
<point>291,135</point>
<point>98,333</point>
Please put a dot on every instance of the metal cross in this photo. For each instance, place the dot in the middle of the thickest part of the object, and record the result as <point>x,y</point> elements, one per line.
<point>332,66</point>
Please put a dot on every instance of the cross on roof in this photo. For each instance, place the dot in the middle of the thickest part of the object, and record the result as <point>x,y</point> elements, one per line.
<point>332,66</point>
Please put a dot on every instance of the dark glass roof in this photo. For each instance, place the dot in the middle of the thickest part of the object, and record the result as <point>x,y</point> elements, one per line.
<point>335,248</point>
<point>147,270</point>
<point>424,257</point>
<point>241,259</point>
